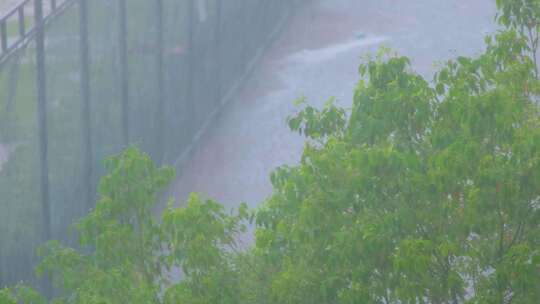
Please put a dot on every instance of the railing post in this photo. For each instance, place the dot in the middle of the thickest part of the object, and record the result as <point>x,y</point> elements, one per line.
<point>22,25</point>
<point>86,131</point>
<point>42,127</point>
<point>124,80</point>
<point>217,53</point>
<point>245,38</point>
<point>190,103</point>
<point>42,118</point>
<point>3,36</point>
<point>161,92</point>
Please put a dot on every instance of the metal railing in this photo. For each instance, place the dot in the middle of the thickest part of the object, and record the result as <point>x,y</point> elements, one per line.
<point>17,17</point>
<point>83,79</point>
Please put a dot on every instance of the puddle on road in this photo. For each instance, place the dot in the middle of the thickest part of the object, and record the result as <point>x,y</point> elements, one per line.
<point>330,52</point>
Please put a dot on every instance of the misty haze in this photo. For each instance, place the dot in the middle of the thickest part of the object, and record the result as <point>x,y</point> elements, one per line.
<point>270,151</point>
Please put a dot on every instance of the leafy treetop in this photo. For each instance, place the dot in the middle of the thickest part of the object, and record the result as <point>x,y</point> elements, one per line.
<point>424,192</point>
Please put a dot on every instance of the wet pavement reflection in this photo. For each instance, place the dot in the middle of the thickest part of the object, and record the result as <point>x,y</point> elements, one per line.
<point>317,56</point>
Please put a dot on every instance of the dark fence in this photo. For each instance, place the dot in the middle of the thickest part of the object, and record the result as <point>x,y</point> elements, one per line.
<point>82,79</point>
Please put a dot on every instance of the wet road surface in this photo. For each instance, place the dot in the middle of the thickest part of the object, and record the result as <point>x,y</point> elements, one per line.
<point>317,56</point>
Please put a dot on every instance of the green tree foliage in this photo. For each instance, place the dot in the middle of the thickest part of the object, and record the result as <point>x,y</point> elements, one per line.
<point>426,195</point>
<point>523,17</point>
<point>20,294</point>
<point>121,238</point>
<point>126,256</point>
<point>424,192</point>
<point>429,193</point>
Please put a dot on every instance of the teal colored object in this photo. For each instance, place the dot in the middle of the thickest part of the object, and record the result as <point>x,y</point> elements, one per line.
<point>360,35</point>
